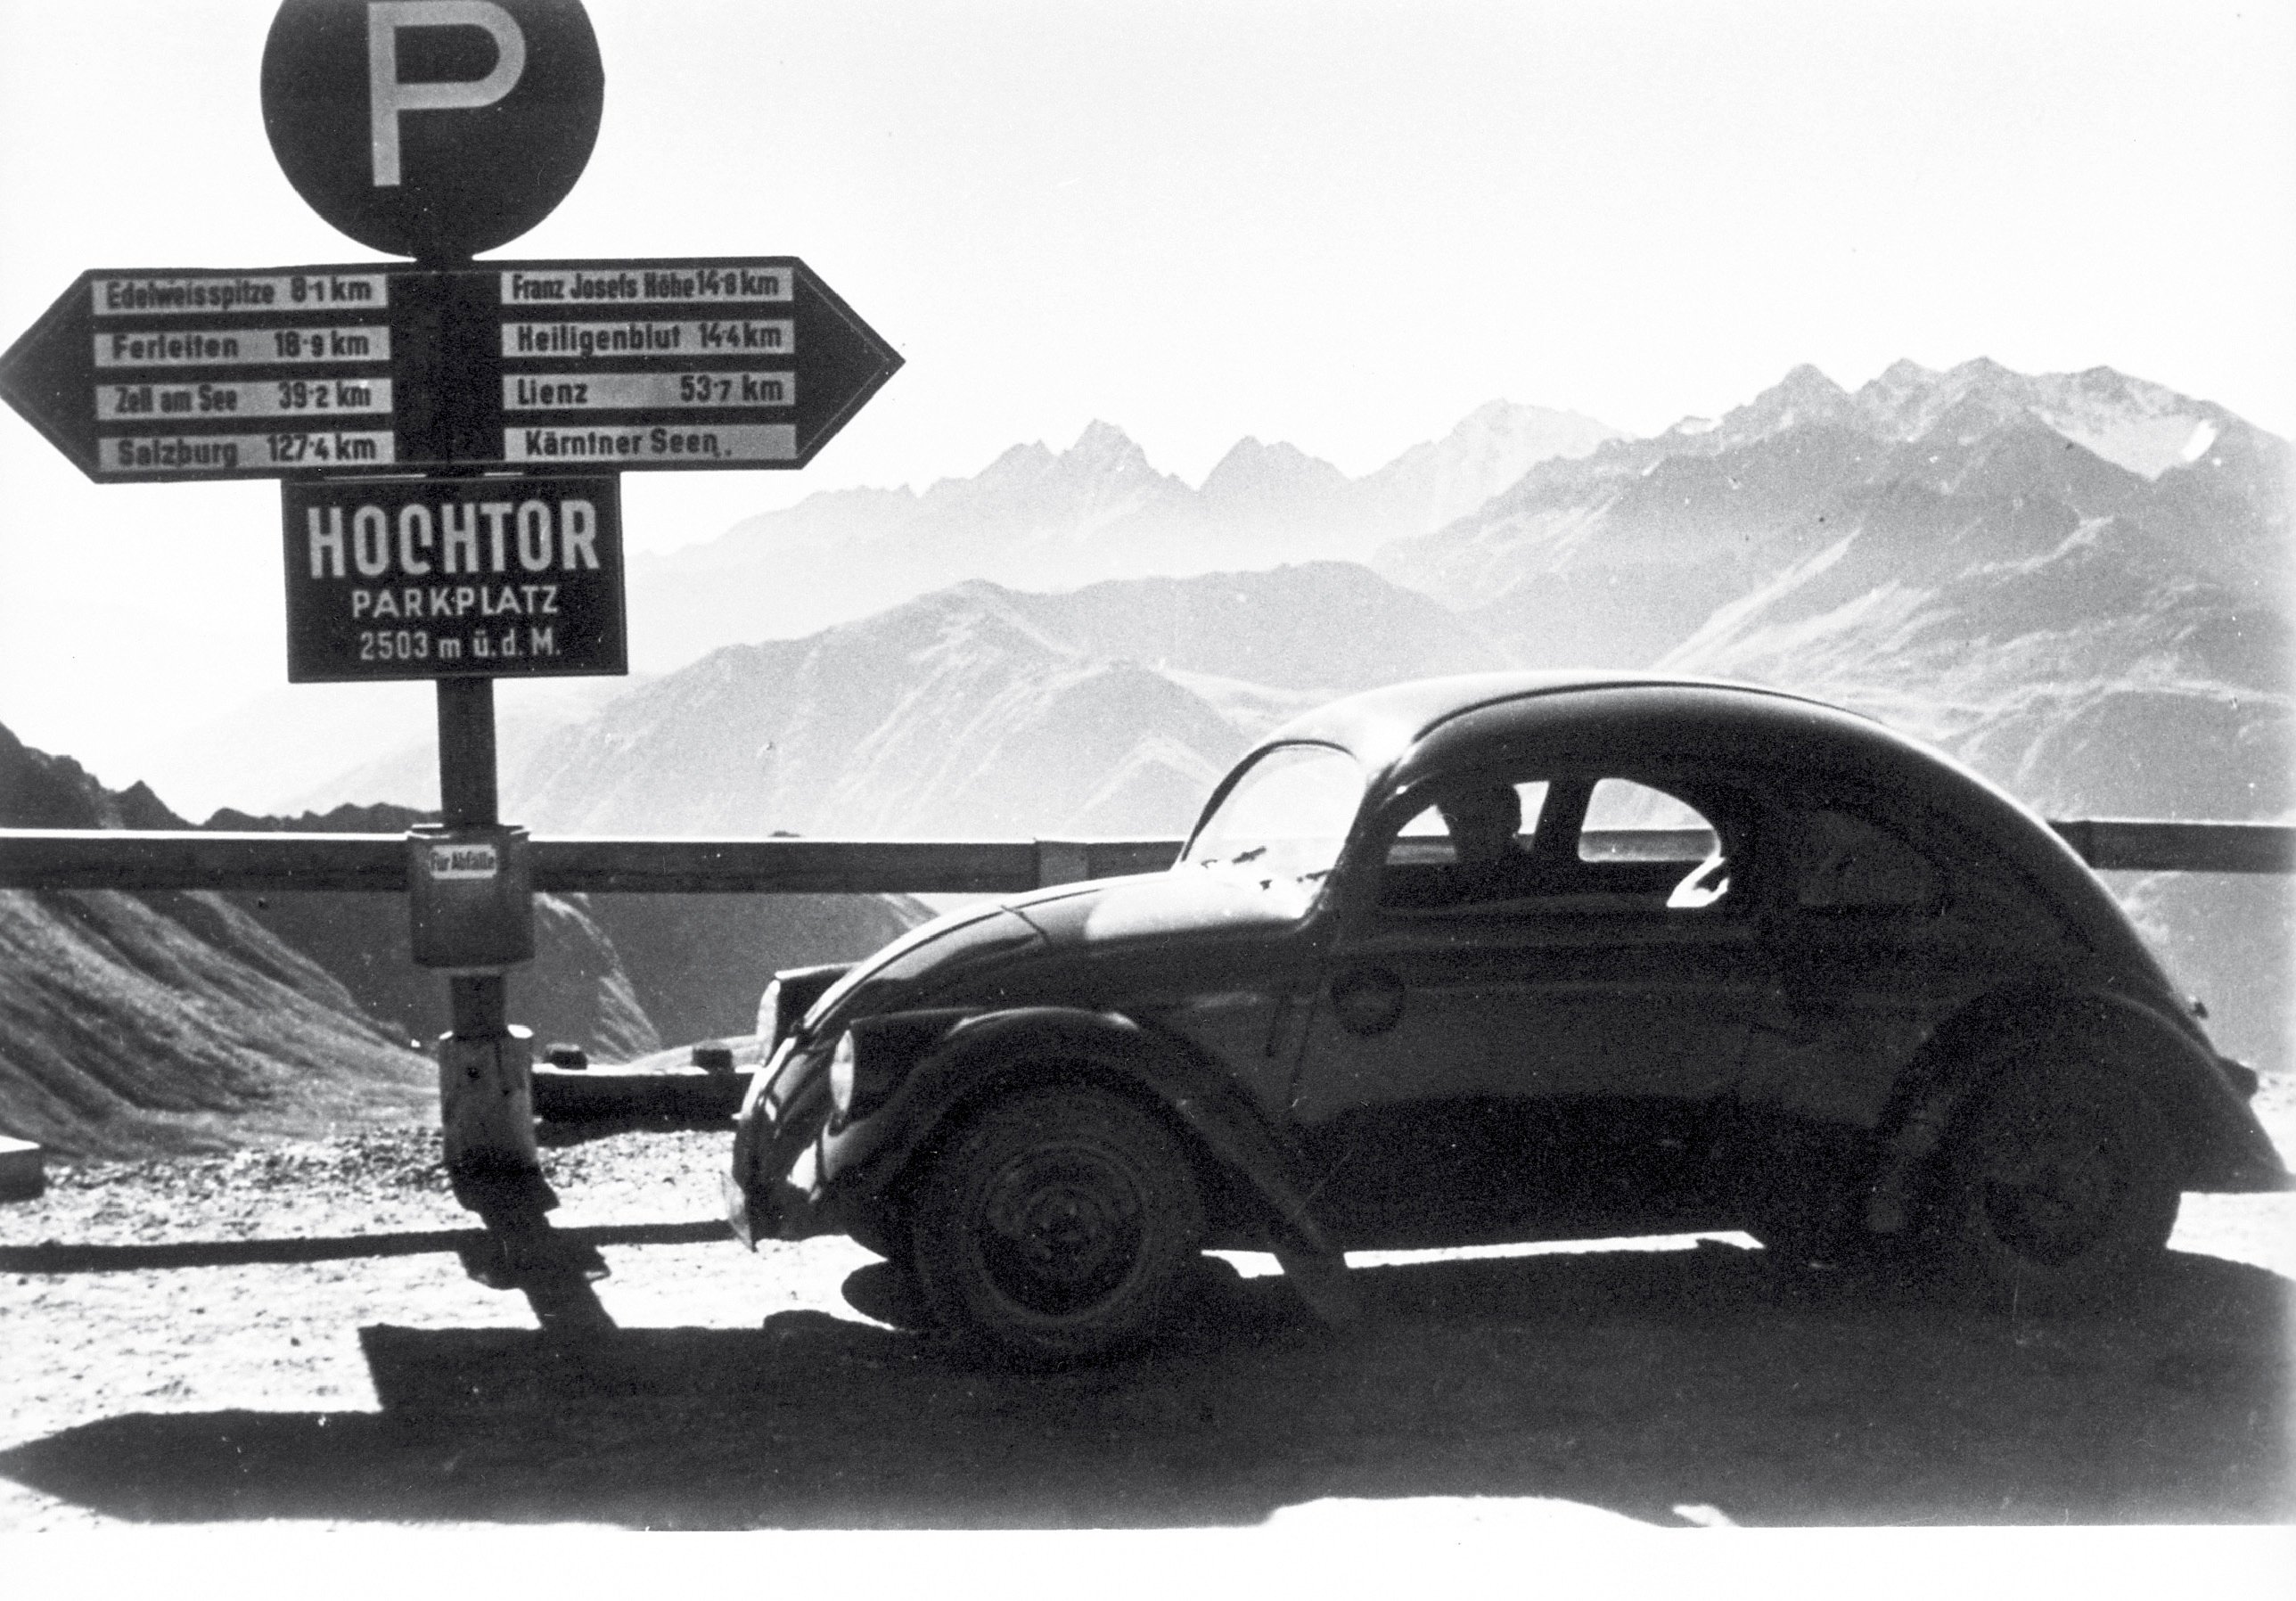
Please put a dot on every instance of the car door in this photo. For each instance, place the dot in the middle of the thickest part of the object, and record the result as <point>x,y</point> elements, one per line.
<point>1536,1045</point>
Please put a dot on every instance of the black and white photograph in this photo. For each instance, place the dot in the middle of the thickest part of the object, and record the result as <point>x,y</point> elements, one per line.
<point>1323,785</point>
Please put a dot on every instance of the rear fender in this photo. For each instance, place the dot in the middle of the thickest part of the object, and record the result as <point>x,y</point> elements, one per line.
<point>982,1055</point>
<point>2219,1145</point>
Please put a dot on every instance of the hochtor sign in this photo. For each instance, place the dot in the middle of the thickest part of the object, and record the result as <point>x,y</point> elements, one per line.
<point>448,540</point>
<point>443,577</point>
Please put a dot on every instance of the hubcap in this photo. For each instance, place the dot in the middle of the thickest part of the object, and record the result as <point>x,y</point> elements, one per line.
<point>2054,1198</point>
<point>1062,1229</point>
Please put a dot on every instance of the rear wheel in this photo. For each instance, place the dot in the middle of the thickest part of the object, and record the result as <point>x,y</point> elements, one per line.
<point>2059,1188</point>
<point>1057,1224</point>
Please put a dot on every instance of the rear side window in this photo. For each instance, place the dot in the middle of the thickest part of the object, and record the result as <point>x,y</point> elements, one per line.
<point>1842,862</point>
<point>1630,822</point>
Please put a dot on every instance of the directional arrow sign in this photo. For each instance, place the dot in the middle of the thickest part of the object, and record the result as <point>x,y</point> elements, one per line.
<point>321,371</point>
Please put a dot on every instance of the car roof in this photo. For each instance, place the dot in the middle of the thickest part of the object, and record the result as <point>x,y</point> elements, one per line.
<point>1379,725</point>
<point>1405,731</point>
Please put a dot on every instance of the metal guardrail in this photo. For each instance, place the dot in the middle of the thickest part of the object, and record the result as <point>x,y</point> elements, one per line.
<point>2140,846</point>
<point>39,858</point>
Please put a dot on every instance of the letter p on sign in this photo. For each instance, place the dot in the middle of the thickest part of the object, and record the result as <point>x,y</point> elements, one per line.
<point>387,97</point>
<point>433,128</point>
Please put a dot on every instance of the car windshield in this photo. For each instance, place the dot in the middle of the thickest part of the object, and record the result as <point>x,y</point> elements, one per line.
<point>1287,816</point>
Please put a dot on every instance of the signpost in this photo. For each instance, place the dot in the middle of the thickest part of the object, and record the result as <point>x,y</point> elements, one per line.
<point>424,418</point>
<point>679,364</point>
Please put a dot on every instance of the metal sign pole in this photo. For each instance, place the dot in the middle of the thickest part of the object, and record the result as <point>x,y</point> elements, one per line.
<point>485,1085</point>
<point>486,1082</point>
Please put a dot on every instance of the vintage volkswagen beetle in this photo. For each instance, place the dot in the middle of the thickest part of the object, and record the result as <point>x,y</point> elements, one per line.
<point>1504,957</point>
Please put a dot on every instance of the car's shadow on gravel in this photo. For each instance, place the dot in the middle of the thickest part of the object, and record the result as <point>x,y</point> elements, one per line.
<point>1639,1382</point>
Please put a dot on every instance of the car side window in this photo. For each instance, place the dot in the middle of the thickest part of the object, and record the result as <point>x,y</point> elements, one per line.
<point>1473,846</point>
<point>1427,839</point>
<point>1843,863</point>
<point>1641,848</point>
<point>1581,847</point>
<point>1630,822</point>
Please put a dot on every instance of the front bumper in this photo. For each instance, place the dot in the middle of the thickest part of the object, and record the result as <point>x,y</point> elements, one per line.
<point>772,1187</point>
<point>788,1206</point>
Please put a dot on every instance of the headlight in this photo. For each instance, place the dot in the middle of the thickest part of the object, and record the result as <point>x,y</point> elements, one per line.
<point>791,996</point>
<point>873,1056</point>
<point>840,1073</point>
<point>769,1015</point>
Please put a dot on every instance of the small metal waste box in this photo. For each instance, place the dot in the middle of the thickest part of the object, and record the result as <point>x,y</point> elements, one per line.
<point>470,896</point>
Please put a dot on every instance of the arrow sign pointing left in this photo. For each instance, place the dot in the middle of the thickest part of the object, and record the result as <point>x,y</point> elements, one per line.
<point>554,365</point>
<point>139,377</point>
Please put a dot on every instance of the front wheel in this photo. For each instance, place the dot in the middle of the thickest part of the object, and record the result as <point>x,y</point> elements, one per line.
<point>2059,1189</point>
<point>1058,1224</point>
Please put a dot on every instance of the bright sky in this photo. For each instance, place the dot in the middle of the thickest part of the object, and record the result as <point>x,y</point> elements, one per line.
<point>1341,225</point>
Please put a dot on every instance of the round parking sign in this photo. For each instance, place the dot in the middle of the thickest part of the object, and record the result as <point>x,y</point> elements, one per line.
<point>433,128</point>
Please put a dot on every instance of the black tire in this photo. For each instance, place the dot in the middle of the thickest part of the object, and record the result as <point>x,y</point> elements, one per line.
<point>2058,1190</point>
<point>882,1232</point>
<point>1057,1226</point>
<point>1796,1245</point>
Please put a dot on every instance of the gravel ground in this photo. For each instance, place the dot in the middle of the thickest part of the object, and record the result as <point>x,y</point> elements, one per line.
<point>289,1333</point>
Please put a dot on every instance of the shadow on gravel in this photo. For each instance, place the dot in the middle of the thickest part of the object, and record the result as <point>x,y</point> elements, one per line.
<point>1632,1380</point>
<point>326,1248</point>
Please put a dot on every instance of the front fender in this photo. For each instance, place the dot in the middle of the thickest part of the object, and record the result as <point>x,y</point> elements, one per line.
<point>990,1052</point>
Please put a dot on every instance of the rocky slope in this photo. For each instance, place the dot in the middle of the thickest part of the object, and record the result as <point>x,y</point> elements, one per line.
<point>138,1023</point>
<point>141,1024</point>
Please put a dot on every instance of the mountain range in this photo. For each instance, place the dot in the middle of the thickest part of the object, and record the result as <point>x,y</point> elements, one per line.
<point>1037,519</point>
<point>2078,583</point>
<point>985,711</point>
